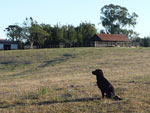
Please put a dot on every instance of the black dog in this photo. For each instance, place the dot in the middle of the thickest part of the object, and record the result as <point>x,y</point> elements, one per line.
<point>104,85</point>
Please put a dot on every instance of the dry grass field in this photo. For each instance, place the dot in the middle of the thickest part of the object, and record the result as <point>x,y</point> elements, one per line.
<point>60,80</point>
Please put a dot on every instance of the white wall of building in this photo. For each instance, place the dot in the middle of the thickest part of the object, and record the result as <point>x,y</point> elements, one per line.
<point>1,46</point>
<point>14,46</point>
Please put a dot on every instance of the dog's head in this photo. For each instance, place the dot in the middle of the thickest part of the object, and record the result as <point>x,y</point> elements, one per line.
<point>97,72</point>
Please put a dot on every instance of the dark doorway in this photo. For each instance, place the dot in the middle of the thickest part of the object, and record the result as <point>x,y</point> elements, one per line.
<point>7,47</point>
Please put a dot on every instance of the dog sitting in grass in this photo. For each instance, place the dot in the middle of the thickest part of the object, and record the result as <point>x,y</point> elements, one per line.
<point>104,85</point>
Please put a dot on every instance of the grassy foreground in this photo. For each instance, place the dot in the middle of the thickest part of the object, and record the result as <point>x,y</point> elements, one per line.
<point>60,80</point>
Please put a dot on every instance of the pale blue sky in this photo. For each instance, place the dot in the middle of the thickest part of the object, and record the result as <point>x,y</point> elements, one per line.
<point>69,12</point>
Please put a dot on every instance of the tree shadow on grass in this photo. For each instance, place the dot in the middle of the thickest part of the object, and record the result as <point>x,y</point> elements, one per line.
<point>5,105</point>
<point>68,101</point>
<point>63,58</point>
<point>52,62</point>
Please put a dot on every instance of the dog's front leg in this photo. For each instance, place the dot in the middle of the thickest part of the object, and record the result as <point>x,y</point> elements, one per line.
<point>102,94</point>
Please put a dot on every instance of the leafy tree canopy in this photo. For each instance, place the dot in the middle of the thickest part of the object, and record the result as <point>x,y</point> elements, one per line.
<point>116,19</point>
<point>14,32</point>
<point>43,35</point>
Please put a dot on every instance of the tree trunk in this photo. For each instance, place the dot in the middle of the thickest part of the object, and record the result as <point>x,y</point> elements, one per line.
<point>31,45</point>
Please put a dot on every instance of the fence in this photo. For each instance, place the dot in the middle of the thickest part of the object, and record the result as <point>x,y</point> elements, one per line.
<point>93,44</point>
<point>115,44</point>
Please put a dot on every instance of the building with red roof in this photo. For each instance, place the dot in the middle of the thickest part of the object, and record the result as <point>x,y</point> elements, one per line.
<point>111,40</point>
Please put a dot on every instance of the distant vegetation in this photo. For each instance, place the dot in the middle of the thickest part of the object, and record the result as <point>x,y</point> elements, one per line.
<point>114,19</point>
<point>43,35</point>
<point>144,42</point>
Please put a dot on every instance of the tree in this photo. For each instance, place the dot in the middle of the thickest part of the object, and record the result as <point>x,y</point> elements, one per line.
<point>26,31</point>
<point>145,42</point>
<point>57,34</point>
<point>85,32</point>
<point>14,32</point>
<point>115,19</point>
<point>38,34</point>
<point>48,29</point>
<point>34,33</point>
<point>71,35</point>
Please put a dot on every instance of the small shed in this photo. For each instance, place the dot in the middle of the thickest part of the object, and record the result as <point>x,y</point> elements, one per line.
<point>111,40</point>
<point>8,45</point>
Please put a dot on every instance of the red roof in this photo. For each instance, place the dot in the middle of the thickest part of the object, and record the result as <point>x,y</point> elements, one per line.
<point>113,37</point>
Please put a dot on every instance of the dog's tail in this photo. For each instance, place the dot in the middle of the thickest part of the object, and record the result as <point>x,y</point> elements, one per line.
<point>117,98</point>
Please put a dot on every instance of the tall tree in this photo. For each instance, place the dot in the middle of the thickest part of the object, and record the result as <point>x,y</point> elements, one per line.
<point>71,38</point>
<point>38,35</point>
<point>57,34</point>
<point>115,19</point>
<point>33,32</point>
<point>14,32</point>
<point>27,24</point>
<point>85,32</point>
<point>48,29</point>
